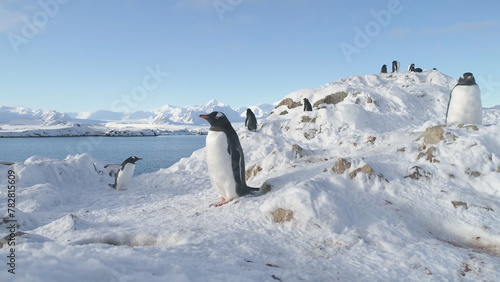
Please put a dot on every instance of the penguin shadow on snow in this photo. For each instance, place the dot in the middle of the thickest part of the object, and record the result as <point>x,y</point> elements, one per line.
<point>72,230</point>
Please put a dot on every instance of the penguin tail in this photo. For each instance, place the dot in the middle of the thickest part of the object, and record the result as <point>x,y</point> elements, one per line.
<point>254,190</point>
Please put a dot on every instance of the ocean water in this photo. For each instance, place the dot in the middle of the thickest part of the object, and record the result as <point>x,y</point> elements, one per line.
<point>157,152</point>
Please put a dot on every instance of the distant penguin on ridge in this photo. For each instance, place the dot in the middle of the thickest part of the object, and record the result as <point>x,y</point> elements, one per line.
<point>383,69</point>
<point>251,121</point>
<point>395,66</point>
<point>125,173</point>
<point>465,105</point>
<point>307,105</point>
<point>413,69</point>
<point>225,159</point>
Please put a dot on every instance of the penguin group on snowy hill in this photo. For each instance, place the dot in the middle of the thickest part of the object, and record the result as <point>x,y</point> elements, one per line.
<point>395,68</point>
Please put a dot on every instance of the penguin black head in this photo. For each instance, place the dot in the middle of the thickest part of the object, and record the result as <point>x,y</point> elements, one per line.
<point>217,119</point>
<point>132,160</point>
<point>467,79</point>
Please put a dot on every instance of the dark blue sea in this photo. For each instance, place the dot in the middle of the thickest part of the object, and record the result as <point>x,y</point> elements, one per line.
<point>157,152</point>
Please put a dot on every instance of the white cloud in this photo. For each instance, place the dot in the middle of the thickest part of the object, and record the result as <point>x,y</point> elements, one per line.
<point>464,27</point>
<point>10,20</point>
<point>458,28</point>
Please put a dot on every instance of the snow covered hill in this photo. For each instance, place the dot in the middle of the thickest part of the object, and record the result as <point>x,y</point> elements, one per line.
<point>369,186</point>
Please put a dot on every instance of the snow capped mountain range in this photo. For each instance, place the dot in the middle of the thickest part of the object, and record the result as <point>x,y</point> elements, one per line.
<point>20,121</point>
<point>165,115</point>
<point>20,115</point>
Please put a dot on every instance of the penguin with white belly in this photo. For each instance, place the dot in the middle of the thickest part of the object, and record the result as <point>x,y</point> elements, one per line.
<point>465,105</point>
<point>125,173</point>
<point>225,160</point>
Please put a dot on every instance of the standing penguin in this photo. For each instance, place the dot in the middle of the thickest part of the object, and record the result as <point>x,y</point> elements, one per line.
<point>411,67</point>
<point>251,121</point>
<point>307,105</point>
<point>225,160</point>
<point>465,105</point>
<point>125,173</point>
<point>383,69</point>
<point>395,66</point>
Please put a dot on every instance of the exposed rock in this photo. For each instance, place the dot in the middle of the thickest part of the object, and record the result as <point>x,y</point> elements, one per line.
<point>418,172</point>
<point>371,139</point>
<point>457,204</point>
<point>334,98</point>
<point>473,173</point>
<point>310,134</point>
<point>469,127</point>
<point>297,150</point>
<point>341,165</point>
<point>429,154</point>
<point>252,171</point>
<point>366,169</point>
<point>5,240</point>
<point>481,207</point>
<point>283,113</point>
<point>401,149</point>
<point>289,103</point>
<point>281,215</point>
<point>308,119</point>
<point>433,135</point>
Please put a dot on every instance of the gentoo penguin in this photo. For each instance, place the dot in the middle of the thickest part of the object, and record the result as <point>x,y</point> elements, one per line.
<point>225,160</point>
<point>125,173</point>
<point>383,69</point>
<point>411,67</point>
<point>465,105</point>
<point>251,121</point>
<point>395,66</point>
<point>307,105</point>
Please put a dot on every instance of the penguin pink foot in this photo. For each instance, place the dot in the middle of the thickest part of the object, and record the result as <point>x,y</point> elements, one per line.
<point>221,202</point>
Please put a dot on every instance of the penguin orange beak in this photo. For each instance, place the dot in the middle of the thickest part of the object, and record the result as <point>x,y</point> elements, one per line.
<point>139,159</point>
<point>204,116</point>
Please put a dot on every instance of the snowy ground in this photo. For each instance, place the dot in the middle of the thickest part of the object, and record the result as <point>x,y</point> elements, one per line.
<point>354,197</point>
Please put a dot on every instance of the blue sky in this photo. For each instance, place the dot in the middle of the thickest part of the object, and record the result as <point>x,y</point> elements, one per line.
<point>130,55</point>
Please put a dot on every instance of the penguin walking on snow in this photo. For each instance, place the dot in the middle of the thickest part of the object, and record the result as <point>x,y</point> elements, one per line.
<point>465,105</point>
<point>225,160</point>
<point>251,121</point>
<point>125,173</point>
<point>307,106</point>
